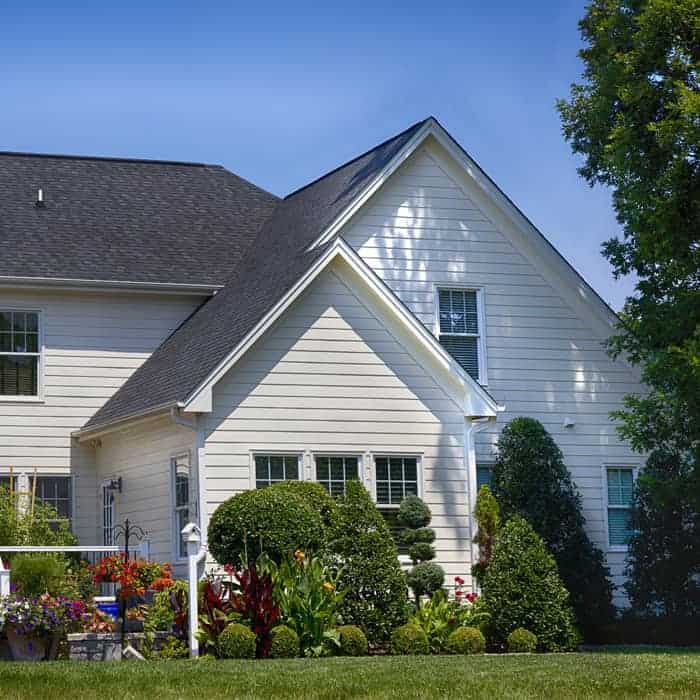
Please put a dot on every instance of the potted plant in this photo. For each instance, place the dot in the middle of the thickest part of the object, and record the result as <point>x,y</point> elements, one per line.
<point>34,625</point>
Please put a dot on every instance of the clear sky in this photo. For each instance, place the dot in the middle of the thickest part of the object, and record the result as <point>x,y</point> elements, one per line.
<point>282,92</point>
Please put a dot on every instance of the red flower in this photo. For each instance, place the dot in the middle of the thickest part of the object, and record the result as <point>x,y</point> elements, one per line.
<point>229,569</point>
<point>459,580</point>
<point>459,594</point>
<point>471,597</point>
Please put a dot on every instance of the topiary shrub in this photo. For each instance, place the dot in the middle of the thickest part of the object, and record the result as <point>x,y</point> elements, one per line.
<point>521,641</point>
<point>424,578</point>
<point>353,641</point>
<point>530,479</point>
<point>371,576</point>
<point>522,588</point>
<point>487,514</point>
<point>409,640</point>
<point>314,495</point>
<point>236,642</point>
<point>275,520</point>
<point>466,640</point>
<point>284,643</point>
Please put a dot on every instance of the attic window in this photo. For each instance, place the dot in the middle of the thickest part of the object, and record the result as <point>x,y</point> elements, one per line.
<point>460,329</point>
<point>20,353</point>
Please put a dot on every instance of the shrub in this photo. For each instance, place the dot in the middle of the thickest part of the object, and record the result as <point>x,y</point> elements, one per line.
<point>466,640</point>
<point>315,496</point>
<point>487,514</point>
<point>371,577</point>
<point>352,641</point>
<point>521,641</point>
<point>36,574</point>
<point>413,513</point>
<point>284,643</point>
<point>530,479</point>
<point>409,640</point>
<point>174,648</point>
<point>425,578</point>
<point>421,551</point>
<point>236,642</point>
<point>522,588</point>
<point>275,520</point>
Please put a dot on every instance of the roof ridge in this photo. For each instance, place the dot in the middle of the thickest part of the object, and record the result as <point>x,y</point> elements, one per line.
<point>361,155</point>
<point>144,161</point>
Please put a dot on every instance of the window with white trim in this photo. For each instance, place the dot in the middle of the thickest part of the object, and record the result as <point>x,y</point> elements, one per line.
<point>20,353</point>
<point>334,471</point>
<point>620,483</point>
<point>181,500</point>
<point>395,478</point>
<point>459,321</point>
<point>271,469</point>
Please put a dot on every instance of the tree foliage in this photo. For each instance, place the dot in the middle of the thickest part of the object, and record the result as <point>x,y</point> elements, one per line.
<point>664,555</point>
<point>487,514</point>
<point>530,479</point>
<point>635,120</point>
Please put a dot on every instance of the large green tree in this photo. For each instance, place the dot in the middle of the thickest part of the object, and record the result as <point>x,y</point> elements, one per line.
<point>635,120</point>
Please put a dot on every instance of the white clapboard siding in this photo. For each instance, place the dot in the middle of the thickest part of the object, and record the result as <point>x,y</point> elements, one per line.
<point>328,377</point>
<point>423,229</point>
<point>141,457</point>
<point>93,342</point>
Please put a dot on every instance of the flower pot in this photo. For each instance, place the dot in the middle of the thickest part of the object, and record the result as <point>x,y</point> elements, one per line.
<point>26,647</point>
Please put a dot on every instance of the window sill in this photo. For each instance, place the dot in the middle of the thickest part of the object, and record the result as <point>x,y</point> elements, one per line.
<point>22,399</point>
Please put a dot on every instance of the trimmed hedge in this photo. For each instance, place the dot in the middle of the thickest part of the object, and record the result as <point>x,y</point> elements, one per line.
<point>353,641</point>
<point>236,642</point>
<point>409,640</point>
<point>277,520</point>
<point>522,588</point>
<point>521,641</point>
<point>425,578</point>
<point>466,640</point>
<point>284,643</point>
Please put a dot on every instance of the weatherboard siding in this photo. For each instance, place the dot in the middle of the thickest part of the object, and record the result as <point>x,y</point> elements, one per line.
<point>329,378</point>
<point>93,342</point>
<point>422,230</point>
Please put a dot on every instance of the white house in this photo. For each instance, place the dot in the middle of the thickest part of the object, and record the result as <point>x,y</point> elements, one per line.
<point>171,334</point>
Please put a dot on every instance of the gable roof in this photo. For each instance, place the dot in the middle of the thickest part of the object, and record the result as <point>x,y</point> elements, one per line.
<point>111,219</point>
<point>270,268</point>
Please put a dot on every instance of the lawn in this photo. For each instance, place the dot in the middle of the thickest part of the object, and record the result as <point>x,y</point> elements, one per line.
<point>625,674</point>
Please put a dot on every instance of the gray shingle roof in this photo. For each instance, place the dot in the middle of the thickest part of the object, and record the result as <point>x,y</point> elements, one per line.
<point>271,267</point>
<point>125,220</point>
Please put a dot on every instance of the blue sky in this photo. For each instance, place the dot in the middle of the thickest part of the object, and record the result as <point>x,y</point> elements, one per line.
<point>281,92</point>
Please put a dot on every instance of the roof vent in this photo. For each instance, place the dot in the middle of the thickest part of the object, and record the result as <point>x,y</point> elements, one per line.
<point>40,197</point>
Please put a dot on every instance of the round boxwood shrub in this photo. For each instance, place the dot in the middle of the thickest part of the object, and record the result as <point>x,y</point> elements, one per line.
<point>274,520</point>
<point>284,643</point>
<point>352,641</point>
<point>315,496</point>
<point>425,578</point>
<point>236,642</point>
<point>409,640</point>
<point>521,641</point>
<point>421,551</point>
<point>522,588</point>
<point>466,640</point>
<point>413,513</point>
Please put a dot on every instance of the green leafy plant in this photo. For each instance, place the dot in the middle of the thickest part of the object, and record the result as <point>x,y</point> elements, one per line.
<point>306,591</point>
<point>236,642</point>
<point>174,648</point>
<point>425,577</point>
<point>530,479</point>
<point>353,641</point>
<point>522,588</point>
<point>371,577</point>
<point>36,574</point>
<point>409,639</point>
<point>276,520</point>
<point>284,643</point>
<point>216,612</point>
<point>521,641</point>
<point>466,640</point>
<point>487,514</point>
<point>439,617</point>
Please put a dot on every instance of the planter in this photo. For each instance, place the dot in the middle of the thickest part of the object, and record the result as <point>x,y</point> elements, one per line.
<point>92,646</point>
<point>25,647</point>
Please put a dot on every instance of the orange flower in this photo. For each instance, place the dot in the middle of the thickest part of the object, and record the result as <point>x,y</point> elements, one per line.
<point>299,555</point>
<point>328,586</point>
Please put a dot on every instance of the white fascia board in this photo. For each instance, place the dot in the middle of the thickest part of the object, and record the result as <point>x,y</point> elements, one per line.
<point>477,402</point>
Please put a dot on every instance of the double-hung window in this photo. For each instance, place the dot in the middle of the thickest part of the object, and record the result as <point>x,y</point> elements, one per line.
<point>396,478</point>
<point>20,353</point>
<point>271,469</point>
<point>181,500</point>
<point>459,327</point>
<point>620,482</point>
<point>333,472</point>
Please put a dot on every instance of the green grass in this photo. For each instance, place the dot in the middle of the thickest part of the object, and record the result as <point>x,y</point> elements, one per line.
<point>622,674</point>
